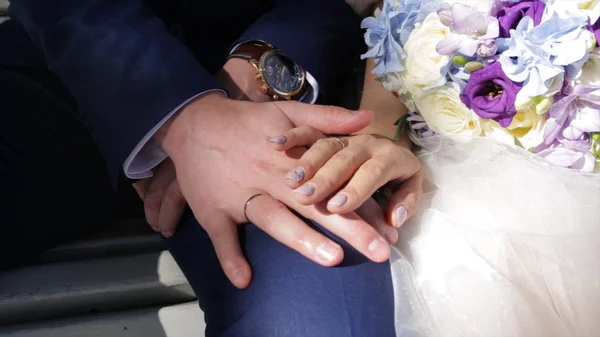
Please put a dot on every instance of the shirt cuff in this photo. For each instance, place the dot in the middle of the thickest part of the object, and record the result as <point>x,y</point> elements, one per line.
<point>147,154</point>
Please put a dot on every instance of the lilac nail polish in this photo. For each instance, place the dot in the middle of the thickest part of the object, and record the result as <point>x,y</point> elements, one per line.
<point>279,139</point>
<point>338,200</point>
<point>306,189</point>
<point>296,174</point>
<point>401,215</point>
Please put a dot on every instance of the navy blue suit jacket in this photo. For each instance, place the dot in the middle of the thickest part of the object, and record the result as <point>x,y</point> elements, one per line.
<point>130,62</point>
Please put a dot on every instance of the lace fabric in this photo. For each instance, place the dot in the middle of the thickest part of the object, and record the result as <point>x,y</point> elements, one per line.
<point>504,244</point>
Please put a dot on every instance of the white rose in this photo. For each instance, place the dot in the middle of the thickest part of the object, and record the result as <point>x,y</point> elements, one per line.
<point>591,8</point>
<point>590,73</point>
<point>527,126</point>
<point>483,6</point>
<point>394,82</point>
<point>423,64</point>
<point>446,114</point>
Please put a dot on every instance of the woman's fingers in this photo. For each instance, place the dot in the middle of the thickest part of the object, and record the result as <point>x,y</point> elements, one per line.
<point>405,201</point>
<point>330,176</point>
<point>371,175</point>
<point>301,136</point>
<point>312,161</point>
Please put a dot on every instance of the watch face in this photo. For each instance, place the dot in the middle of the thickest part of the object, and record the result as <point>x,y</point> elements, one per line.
<point>281,73</point>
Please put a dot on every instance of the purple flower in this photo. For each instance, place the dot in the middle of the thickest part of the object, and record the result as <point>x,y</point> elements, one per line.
<point>509,14</point>
<point>574,154</point>
<point>595,28</point>
<point>491,94</point>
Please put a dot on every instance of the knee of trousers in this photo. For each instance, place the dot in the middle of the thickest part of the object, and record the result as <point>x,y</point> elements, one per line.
<point>293,296</point>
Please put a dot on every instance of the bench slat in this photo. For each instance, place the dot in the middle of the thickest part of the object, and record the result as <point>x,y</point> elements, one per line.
<point>183,320</point>
<point>100,285</point>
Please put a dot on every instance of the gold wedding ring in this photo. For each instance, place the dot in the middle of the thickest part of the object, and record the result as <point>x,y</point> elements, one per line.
<point>248,203</point>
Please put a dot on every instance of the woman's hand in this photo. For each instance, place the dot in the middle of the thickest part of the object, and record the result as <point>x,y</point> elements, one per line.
<point>355,167</point>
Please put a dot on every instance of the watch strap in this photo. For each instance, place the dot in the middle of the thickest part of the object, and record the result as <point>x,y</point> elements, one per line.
<point>250,50</point>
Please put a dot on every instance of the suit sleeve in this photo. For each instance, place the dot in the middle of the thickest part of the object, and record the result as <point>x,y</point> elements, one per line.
<point>121,64</point>
<point>322,35</point>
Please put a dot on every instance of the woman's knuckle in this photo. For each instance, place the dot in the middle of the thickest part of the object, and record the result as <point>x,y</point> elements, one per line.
<point>375,170</point>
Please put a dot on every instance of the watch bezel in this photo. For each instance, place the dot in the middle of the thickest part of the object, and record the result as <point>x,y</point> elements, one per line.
<point>279,93</point>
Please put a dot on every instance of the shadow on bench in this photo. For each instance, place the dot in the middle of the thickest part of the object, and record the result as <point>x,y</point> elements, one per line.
<point>120,282</point>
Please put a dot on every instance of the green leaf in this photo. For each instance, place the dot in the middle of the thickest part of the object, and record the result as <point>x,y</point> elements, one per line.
<point>402,124</point>
<point>518,143</point>
<point>380,79</point>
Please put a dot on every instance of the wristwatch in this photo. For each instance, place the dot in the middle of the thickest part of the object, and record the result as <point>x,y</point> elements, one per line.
<point>280,77</point>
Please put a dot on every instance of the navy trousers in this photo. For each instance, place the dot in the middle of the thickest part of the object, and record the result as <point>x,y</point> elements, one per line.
<point>55,188</point>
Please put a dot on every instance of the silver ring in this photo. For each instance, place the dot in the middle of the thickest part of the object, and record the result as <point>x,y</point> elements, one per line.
<point>248,203</point>
<point>342,143</point>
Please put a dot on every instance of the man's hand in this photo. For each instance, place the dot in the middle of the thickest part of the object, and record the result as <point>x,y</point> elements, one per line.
<point>221,152</point>
<point>164,204</point>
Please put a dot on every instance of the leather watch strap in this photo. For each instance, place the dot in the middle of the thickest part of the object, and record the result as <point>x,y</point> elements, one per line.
<point>250,50</point>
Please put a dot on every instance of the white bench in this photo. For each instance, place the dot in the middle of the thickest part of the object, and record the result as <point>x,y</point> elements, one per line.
<point>120,282</point>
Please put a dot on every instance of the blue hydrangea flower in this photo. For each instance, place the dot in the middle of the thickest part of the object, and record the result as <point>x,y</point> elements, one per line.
<point>387,34</point>
<point>538,56</point>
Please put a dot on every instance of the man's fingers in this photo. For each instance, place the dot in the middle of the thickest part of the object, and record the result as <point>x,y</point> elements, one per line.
<point>140,187</point>
<point>303,135</point>
<point>405,201</point>
<point>326,118</point>
<point>279,222</point>
<point>354,230</point>
<point>372,213</point>
<point>163,176</point>
<point>223,233</point>
<point>171,210</point>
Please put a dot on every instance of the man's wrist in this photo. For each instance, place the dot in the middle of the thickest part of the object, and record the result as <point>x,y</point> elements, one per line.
<point>171,135</point>
<point>239,78</point>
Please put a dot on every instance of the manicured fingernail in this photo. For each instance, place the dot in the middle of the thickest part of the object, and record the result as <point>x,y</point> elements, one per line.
<point>379,249</point>
<point>401,215</point>
<point>167,234</point>
<point>279,139</point>
<point>391,234</point>
<point>327,252</point>
<point>306,189</point>
<point>296,174</point>
<point>338,200</point>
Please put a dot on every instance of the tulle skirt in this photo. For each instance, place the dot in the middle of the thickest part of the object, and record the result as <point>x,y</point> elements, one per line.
<point>504,245</point>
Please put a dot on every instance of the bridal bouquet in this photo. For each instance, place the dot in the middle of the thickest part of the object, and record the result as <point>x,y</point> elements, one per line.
<point>525,72</point>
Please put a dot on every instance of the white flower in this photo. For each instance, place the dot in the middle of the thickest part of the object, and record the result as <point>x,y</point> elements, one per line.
<point>394,82</point>
<point>527,126</point>
<point>591,8</point>
<point>483,6</point>
<point>423,64</point>
<point>590,74</point>
<point>446,114</point>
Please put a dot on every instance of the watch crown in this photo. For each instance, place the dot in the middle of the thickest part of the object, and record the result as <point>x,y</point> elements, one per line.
<point>275,97</point>
<point>258,76</point>
<point>264,88</point>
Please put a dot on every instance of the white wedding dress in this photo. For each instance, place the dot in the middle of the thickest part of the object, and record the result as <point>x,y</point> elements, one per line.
<point>504,245</point>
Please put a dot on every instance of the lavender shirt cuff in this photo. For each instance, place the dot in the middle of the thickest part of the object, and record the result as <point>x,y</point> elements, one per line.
<point>147,154</point>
